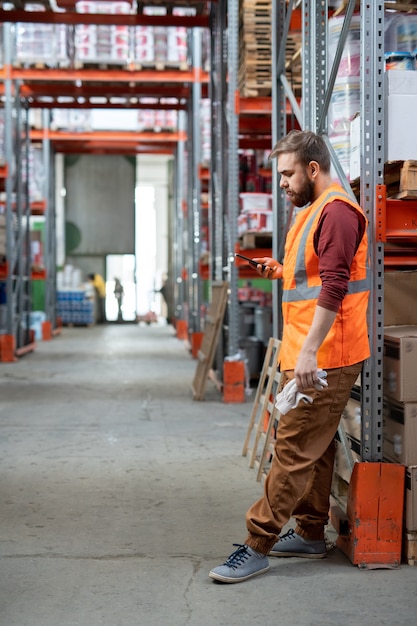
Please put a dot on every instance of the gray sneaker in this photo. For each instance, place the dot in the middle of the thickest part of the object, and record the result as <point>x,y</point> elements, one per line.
<point>292,544</point>
<point>244,563</point>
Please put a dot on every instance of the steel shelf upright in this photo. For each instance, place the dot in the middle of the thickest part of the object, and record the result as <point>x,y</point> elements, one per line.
<point>16,338</point>
<point>219,154</point>
<point>318,82</point>
<point>194,282</point>
<point>281,93</point>
<point>231,215</point>
<point>218,179</point>
<point>179,225</point>
<point>372,173</point>
<point>50,227</point>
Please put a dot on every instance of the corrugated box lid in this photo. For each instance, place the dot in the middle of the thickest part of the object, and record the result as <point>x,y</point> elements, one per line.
<point>401,332</point>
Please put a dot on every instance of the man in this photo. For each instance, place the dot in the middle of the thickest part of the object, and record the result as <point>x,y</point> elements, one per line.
<point>325,295</point>
<point>118,294</point>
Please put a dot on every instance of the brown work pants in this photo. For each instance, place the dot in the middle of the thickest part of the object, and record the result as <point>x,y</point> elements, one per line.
<point>299,481</point>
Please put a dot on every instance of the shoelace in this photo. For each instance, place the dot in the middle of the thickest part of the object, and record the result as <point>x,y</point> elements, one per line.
<point>238,556</point>
<point>289,535</point>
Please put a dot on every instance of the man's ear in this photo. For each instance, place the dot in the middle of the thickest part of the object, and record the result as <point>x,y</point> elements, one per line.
<point>314,168</point>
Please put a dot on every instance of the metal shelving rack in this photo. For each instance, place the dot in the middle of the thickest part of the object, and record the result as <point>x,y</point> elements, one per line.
<point>318,81</point>
<point>232,212</point>
<point>17,210</point>
<point>194,191</point>
<point>50,226</point>
<point>130,84</point>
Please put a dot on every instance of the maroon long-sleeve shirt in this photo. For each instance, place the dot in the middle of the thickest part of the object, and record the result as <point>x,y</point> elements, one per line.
<point>336,240</point>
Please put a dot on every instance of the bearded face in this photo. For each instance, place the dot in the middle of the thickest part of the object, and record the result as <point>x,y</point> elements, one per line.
<point>296,180</point>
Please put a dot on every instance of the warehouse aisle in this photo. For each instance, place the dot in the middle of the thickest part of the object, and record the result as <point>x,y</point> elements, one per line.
<point>119,494</point>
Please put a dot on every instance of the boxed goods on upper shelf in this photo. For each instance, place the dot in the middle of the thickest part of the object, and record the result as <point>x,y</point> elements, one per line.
<point>400,112</point>
<point>255,213</point>
<point>400,38</point>
<point>56,45</point>
<point>255,201</point>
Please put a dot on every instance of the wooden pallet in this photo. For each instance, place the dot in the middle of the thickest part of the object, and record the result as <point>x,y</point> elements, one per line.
<point>158,66</point>
<point>101,65</point>
<point>249,241</point>
<point>400,179</point>
<point>260,436</point>
<point>255,52</point>
<point>255,48</point>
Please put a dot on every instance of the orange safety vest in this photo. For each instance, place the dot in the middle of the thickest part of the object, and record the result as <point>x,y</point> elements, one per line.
<point>347,341</point>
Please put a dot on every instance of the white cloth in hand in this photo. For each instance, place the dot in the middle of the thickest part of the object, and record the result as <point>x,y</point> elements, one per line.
<point>290,397</point>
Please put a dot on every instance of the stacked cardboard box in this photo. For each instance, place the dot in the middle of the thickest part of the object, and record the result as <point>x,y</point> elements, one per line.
<point>400,391</point>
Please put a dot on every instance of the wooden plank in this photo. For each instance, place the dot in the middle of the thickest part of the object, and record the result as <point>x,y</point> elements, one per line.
<point>212,330</point>
<point>261,398</point>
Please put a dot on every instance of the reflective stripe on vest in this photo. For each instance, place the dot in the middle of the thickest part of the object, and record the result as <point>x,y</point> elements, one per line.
<point>302,291</point>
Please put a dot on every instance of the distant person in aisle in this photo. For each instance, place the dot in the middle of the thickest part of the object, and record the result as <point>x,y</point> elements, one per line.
<point>100,291</point>
<point>166,293</point>
<point>325,276</point>
<point>118,294</point>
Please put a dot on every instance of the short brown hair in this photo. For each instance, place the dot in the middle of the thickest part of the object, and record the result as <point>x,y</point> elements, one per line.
<point>307,146</point>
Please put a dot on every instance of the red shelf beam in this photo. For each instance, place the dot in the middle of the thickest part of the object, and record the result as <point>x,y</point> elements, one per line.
<point>396,219</point>
<point>129,19</point>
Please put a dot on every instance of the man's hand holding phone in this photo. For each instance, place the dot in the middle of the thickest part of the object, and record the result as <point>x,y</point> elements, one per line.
<point>266,266</point>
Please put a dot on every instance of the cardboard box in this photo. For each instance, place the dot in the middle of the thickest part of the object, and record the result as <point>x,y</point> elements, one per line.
<point>400,433</point>
<point>400,107</point>
<point>411,499</point>
<point>400,363</point>
<point>351,423</point>
<point>410,548</point>
<point>255,201</point>
<point>254,221</point>
<point>400,297</point>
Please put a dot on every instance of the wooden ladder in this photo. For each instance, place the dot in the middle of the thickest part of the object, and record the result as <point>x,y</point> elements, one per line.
<point>260,439</point>
<point>213,326</point>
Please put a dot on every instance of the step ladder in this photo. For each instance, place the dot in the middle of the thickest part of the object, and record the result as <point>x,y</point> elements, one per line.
<point>260,437</point>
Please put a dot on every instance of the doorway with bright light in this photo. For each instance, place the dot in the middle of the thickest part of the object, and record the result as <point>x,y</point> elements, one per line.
<point>121,267</point>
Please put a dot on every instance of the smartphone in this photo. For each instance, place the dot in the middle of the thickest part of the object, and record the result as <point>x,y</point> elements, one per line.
<point>250,261</point>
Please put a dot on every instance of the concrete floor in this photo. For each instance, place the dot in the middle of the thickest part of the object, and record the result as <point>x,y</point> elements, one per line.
<point>119,493</point>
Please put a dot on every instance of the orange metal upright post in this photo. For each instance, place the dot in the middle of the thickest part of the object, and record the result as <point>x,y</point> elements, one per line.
<point>370,533</point>
<point>46,330</point>
<point>234,381</point>
<point>196,340</point>
<point>7,348</point>
<point>182,329</point>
